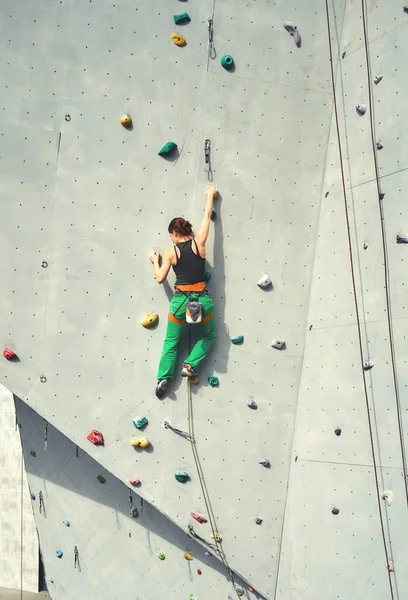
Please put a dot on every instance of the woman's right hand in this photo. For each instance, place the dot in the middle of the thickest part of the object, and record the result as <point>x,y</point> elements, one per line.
<point>212,189</point>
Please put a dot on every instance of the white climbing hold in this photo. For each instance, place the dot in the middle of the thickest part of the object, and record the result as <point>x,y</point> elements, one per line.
<point>402,238</point>
<point>265,462</point>
<point>379,145</point>
<point>66,523</point>
<point>278,343</point>
<point>388,497</point>
<point>239,591</point>
<point>292,29</point>
<point>377,79</point>
<point>390,566</point>
<point>207,553</point>
<point>264,282</point>
<point>368,364</point>
<point>252,404</point>
<point>361,109</point>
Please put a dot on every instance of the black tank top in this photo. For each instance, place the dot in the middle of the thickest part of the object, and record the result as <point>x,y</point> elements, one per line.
<point>189,268</point>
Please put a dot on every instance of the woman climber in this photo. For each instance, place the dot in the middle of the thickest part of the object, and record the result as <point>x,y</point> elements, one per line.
<point>187,257</point>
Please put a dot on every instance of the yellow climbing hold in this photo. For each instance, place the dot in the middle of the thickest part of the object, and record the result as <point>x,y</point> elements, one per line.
<point>188,556</point>
<point>194,380</point>
<point>150,320</point>
<point>139,441</point>
<point>126,120</point>
<point>178,39</point>
<point>216,537</point>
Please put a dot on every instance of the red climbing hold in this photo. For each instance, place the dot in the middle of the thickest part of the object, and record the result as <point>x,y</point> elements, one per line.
<point>199,571</point>
<point>9,354</point>
<point>96,437</point>
<point>134,481</point>
<point>199,518</point>
<point>250,589</point>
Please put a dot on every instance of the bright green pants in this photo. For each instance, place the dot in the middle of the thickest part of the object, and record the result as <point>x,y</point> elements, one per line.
<point>175,324</point>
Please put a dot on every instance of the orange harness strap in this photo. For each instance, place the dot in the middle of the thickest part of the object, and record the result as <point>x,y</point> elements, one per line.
<point>174,319</point>
<point>192,287</point>
<point>207,318</point>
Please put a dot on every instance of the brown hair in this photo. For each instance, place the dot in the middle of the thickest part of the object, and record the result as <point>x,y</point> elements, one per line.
<point>180,226</point>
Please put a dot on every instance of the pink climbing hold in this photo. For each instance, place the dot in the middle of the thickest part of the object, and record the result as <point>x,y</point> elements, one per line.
<point>134,481</point>
<point>96,438</point>
<point>199,571</point>
<point>199,518</point>
<point>9,354</point>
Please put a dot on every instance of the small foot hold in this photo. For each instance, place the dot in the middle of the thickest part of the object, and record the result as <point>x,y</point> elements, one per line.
<point>388,497</point>
<point>96,438</point>
<point>379,145</point>
<point>179,40</point>
<point>181,18</point>
<point>377,79</point>
<point>361,109</point>
<point>213,381</point>
<point>161,388</point>
<point>182,476</point>
<point>368,364</point>
<point>198,518</point>
<point>188,556</point>
<point>265,462</point>
<point>126,120</point>
<point>194,380</point>
<point>9,354</point>
<point>167,148</point>
<point>264,282</point>
<point>150,320</point>
<point>292,29</point>
<point>227,62</point>
<point>237,340</point>
<point>402,238</point>
<point>278,343</point>
<point>252,404</point>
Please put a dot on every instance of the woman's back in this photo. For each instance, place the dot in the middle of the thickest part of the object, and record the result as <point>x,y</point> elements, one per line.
<point>190,266</point>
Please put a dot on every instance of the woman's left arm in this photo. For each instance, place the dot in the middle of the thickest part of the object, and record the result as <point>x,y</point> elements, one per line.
<point>161,272</point>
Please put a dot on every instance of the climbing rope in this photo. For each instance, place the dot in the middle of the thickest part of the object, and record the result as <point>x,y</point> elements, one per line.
<point>200,474</point>
<point>355,298</point>
<point>385,255</point>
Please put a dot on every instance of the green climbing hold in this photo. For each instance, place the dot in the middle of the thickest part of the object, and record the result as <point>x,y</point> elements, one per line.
<point>181,476</point>
<point>33,453</point>
<point>213,215</point>
<point>161,555</point>
<point>213,381</point>
<point>207,276</point>
<point>227,61</point>
<point>237,340</point>
<point>167,148</point>
<point>182,18</point>
<point>101,479</point>
<point>135,513</point>
<point>138,423</point>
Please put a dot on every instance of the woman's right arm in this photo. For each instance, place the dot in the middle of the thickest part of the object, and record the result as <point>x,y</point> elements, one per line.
<point>202,234</point>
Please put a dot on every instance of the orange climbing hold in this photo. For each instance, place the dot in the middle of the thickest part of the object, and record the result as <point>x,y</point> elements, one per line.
<point>9,354</point>
<point>96,438</point>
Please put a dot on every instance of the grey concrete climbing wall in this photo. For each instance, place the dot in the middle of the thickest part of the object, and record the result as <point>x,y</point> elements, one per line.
<point>85,201</point>
<point>117,554</point>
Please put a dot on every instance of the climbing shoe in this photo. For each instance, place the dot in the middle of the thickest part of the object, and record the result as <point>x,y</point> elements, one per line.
<point>161,388</point>
<point>188,371</point>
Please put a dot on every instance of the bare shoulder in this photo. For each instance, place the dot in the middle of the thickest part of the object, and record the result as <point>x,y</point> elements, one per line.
<point>200,245</point>
<point>170,255</point>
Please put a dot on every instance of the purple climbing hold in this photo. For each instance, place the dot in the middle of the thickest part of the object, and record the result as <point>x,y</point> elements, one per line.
<point>335,511</point>
<point>361,109</point>
<point>252,404</point>
<point>292,29</point>
<point>402,238</point>
<point>265,462</point>
<point>258,521</point>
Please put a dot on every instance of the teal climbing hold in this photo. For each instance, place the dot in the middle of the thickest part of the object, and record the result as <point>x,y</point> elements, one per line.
<point>138,423</point>
<point>213,381</point>
<point>181,476</point>
<point>213,215</point>
<point>227,61</point>
<point>101,479</point>
<point>237,340</point>
<point>66,523</point>
<point>167,148</point>
<point>135,513</point>
<point>207,276</point>
<point>182,18</point>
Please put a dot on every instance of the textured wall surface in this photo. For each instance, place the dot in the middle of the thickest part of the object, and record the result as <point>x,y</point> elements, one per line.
<point>92,199</point>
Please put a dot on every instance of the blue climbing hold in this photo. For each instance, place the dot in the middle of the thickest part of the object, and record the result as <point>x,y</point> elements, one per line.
<point>66,523</point>
<point>32,496</point>
<point>59,553</point>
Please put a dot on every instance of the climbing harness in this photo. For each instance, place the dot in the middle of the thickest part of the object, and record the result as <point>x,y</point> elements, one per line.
<point>194,308</point>
<point>207,159</point>
<point>211,50</point>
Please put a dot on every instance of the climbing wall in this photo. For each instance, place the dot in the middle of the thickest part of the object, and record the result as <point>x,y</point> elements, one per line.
<point>86,201</point>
